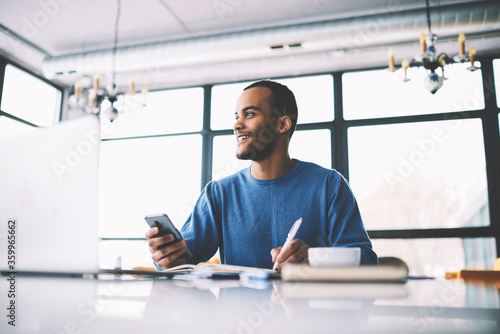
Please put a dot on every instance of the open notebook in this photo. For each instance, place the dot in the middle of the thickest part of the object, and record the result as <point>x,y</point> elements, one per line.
<point>215,267</point>
<point>202,269</point>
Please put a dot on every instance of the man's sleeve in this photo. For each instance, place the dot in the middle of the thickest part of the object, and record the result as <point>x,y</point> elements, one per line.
<point>347,229</point>
<point>201,230</point>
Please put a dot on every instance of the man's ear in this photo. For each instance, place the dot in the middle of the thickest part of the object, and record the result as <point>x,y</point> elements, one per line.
<point>284,124</point>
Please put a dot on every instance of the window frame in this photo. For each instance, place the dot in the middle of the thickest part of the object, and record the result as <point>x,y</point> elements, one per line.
<point>491,138</point>
<point>340,160</point>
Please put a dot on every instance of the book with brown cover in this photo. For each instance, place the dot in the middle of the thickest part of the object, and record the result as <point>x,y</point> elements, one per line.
<point>304,272</point>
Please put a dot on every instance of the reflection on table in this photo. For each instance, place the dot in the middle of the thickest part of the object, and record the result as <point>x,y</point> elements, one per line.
<point>112,305</point>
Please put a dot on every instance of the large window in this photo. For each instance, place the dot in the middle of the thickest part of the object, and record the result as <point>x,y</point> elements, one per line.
<point>26,101</point>
<point>314,97</point>
<point>147,176</point>
<point>417,164</point>
<point>162,112</point>
<point>30,98</point>
<point>420,175</point>
<point>151,162</point>
<point>140,177</point>
<point>312,145</point>
<point>436,256</point>
<point>385,95</point>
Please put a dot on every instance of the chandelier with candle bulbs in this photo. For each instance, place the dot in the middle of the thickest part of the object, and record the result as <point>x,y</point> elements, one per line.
<point>88,94</point>
<point>431,60</point>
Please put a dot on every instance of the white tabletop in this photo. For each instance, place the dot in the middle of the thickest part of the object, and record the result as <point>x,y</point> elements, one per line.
<point>71,305</point>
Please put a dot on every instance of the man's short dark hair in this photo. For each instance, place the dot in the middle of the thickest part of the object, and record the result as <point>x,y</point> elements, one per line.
<point>281,101</point>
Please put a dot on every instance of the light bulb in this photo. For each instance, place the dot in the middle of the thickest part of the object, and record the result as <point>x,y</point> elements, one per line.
<point>433,82</point>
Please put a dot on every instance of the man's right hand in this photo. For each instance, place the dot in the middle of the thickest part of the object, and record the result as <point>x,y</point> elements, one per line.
<point>165,252</point>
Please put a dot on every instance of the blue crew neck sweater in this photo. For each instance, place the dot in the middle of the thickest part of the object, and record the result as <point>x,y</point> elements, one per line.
<point>245,217</point>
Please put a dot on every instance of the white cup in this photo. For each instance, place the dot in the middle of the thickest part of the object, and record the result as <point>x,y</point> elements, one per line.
<point>334,256</point>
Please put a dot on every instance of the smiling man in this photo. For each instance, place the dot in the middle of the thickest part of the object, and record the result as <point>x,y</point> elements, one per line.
<point>248,215</point>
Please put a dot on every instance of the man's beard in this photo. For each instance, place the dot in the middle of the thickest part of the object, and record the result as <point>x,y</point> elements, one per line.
<point>260,148</point>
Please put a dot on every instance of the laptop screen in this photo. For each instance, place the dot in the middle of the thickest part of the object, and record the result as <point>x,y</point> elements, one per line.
<point>48,198</point>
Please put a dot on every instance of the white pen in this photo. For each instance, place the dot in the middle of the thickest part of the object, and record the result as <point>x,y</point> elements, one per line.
<point>291,235</point>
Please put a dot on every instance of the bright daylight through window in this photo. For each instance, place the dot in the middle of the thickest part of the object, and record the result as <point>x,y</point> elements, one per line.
<point>385,95</point>
<point>420,175</point>
<point>496,74</point>
<point>43,105</point>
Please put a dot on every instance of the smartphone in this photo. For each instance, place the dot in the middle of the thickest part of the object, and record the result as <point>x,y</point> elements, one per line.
<point>165,226</point>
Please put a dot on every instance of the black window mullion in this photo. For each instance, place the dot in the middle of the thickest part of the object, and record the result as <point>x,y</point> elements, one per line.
<point>207,139</point>
<point>461,232</point>
<point>491,136</point>
<point>340,159</point>
<point>3,64</point>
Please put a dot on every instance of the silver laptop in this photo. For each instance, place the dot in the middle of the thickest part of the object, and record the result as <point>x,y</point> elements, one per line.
<point>48,198</point>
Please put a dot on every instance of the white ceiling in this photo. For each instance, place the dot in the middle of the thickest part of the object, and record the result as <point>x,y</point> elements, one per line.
<point>241,30</point>
<point>73,26</point>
